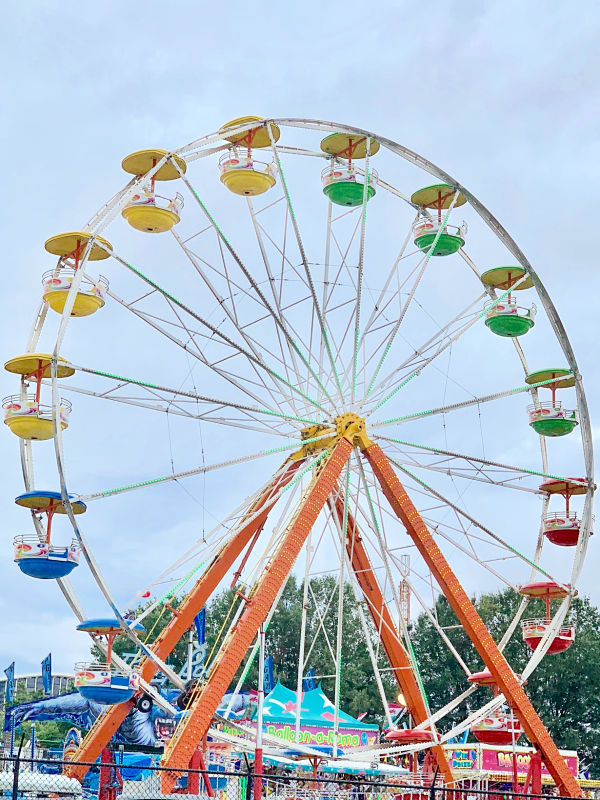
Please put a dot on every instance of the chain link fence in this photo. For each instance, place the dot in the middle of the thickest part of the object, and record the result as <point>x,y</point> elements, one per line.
<point>142,779</point>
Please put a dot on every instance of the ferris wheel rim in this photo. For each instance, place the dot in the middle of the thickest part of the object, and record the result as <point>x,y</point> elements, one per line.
<point>486,216</point>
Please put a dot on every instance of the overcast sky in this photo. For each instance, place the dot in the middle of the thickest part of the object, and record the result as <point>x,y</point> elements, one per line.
<point>503,95</point>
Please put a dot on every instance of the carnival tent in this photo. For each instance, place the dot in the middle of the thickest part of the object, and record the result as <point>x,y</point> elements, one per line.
<point>316,709</point>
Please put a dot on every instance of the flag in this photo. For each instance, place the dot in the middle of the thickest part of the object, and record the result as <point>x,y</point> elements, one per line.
<point>397,711</point>
<point>10,683</point>
<point>269,680</point>
<point>361,716</point>
<point>200,625</point>
<point>47,674</point>
<point>309,683</point>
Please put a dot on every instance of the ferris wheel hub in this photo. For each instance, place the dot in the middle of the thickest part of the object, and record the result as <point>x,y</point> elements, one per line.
<point>346,426</point>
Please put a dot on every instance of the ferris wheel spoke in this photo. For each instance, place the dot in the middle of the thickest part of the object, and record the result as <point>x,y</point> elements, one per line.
<point>342,265</point>
<point>439,342</point>
<point>478,460</point>
<point>166,393</point>
<point>433,492</point>
<point>172,408</point>
<point>410,297</point>
<point>464,404</point>
<point>263,299</point>
<point>473,473</point>
<point>380,320</point>
<point>199,353</point>
<point>259,373</point>
<point>231,313</point>
<point>176,476</point>
<point>392,335</point>
<point>290,335</point>
<point>277,319</point>
<point>379,306</point>
<point>218,333</point>
<point>316,307</point>
<point>359,287</point>
<point>291,348</point>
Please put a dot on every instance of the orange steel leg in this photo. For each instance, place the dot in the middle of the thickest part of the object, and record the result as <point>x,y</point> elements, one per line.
<point>193,727</point>
<point>382,619</point>
<point>107,725</point>
<point>471,621</point>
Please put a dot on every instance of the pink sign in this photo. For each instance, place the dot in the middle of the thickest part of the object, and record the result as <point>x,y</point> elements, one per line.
<point>502,760</point>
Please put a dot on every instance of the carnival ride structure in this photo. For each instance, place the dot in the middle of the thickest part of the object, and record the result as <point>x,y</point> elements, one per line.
<point>362,337</point>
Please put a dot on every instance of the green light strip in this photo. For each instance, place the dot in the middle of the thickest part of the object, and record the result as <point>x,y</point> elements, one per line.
<point>397,389</point>
<point>239,406</point>
<point>222,235</point>
<point>496,538</point>
<point>180,583</point>
<point>355,363</point>
<point>442,409</point>
<point>293,213</point>
<point>306,469</point>
<point>473,458</point>
<point>331,358</point>
<point>199,470</point>
<point>359,294</point>
<point>389,347</point>
<point>229,341</point>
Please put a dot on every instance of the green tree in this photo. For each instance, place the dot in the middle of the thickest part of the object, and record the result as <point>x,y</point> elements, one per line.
<point>358,687</point>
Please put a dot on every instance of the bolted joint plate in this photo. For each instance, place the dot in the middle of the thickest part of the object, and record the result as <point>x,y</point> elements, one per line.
<point>353,428</point>
<point>347,426</point>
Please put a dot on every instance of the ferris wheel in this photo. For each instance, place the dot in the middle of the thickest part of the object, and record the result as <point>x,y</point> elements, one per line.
<point>343,351</point>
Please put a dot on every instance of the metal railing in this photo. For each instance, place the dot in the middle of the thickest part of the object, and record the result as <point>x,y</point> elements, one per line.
<point>551,410</point>
<point>28,545</point>
<point>343,172</point>
<point>494,309</point>
<point>16,406</point>
<point>532,625</point>
<point>53,281</point>
<point>137,776</point>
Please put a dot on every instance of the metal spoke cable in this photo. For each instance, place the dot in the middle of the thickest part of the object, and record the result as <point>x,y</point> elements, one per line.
<point>430,252</point>
<point>471,519</point>
<point>478,460</point>
<point>241,350</point>
<point>230,314</point>
<point>446,341</point>
<point>194,396</point>
<point>278,320</point>
<point>316,307</point>
<point>463,404</point>
<point>175,476</point>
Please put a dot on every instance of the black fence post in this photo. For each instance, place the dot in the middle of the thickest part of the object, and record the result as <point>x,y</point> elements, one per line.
<point>432,787</point>
<point>249,778</point>
<point>16,770</point>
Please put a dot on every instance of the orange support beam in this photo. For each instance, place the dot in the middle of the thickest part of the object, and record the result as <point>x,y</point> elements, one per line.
<point>195,725</point>
<point>471,621</point>
<point>107,724</point>
<point>384,624</point>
